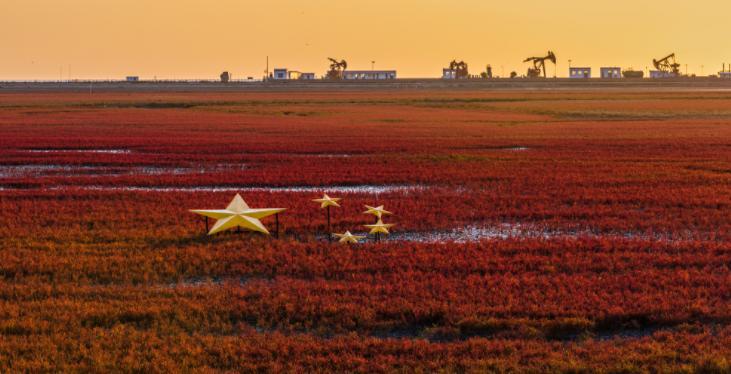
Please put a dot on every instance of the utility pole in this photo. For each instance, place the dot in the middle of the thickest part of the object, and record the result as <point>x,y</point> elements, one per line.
<point>373,65</point>
<point>329,230</point>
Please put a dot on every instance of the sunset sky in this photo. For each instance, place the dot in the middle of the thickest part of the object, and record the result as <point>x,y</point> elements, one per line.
<point>96,39</point>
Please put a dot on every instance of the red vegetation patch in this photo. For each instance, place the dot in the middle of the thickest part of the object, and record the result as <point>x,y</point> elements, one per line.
<point>102,266</point>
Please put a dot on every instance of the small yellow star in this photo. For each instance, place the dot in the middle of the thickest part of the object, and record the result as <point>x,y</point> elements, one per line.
<point>376,211</point>
<point>348,237</point>
<point>238,214</point>
<point>327,201</point>
<point>380,227</point>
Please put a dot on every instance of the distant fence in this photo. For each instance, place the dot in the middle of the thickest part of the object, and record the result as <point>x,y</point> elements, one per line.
<point>201,85</point>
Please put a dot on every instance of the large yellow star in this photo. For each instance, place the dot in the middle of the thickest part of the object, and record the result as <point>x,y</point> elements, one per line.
<point>380,227</point>
<point>327,201</point>
<point>376,211</point>
<point>348,237</point>
<point>238,214</point>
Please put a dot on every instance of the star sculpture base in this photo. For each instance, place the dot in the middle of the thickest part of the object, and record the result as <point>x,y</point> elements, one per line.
<point>238,214</point>
<point>347,237</point>
<point>379,228</point>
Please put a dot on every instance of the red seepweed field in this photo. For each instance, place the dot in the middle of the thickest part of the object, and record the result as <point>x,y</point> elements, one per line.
<point>535,231</point>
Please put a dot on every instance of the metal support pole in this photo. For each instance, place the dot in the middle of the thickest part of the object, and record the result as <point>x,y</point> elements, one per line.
<point>329,231</point>
<point>378,234</point>
<point>276,217</point>
<point>206,225</point>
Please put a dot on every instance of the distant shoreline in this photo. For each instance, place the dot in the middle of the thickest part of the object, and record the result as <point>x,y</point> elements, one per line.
<point>519,84</point>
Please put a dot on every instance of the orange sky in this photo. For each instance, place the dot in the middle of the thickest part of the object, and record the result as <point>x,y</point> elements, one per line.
<point>96,39</point>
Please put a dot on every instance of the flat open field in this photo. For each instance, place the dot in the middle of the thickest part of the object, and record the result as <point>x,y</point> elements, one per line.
<point>536,231</point>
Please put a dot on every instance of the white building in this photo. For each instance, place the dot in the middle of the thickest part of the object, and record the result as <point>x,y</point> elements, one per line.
<point>579,73</point>
<point>284,74</point>
<point>725,74</point>
<point>133,78</point>
<point>280,74</point>
<point>610,73</point>
<point>658,74</point>
<point>449,73</point>
<point>369,74</point>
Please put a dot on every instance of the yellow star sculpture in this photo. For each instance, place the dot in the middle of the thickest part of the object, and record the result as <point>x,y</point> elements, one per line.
<point>238,214</point>
<point>376,211</point>
<point>380,227</point>
<point>348,237</point>
<point>327,201</point>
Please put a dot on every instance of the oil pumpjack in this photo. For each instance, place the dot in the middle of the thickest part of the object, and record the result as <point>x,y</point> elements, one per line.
<point>539,64</point>
<point>336,69</point>
<point>668,65</point>
<point>460,69</point>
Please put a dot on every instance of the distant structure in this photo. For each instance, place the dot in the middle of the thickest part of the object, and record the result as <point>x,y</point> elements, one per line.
<point>225,77</point>
<point>666,67</point>
<point>633,74</point>
<point>296,75</point>
<point>610,73</point>
<point>579,73</point>
<point>369,74</point>
<point>456,70</point>
<point>659,74</point>
<point>726,74</point>
<point>487,74</point>
<point>448,73</point>
<point>336,69</point>
<point>280,74</point>
<point>132,78</point>
<point>539,64</point>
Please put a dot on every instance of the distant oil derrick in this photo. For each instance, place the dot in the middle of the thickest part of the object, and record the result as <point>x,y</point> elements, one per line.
<point>336,69</point>
<point>460,69</point>
<point>539,64</point>
<point>667,65</point>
